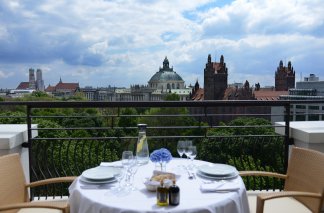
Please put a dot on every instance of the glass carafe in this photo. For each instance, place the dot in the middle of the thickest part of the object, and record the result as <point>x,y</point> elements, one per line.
<point>142,150</point>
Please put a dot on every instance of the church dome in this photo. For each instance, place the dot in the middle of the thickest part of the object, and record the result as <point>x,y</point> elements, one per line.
<point>166,78</point>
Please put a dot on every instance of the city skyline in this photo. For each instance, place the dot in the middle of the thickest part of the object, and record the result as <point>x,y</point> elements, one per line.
<point>101,43</point>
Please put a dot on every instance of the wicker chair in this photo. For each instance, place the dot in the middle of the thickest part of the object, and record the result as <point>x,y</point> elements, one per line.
<point>304,181</point>
<point>14,189</point>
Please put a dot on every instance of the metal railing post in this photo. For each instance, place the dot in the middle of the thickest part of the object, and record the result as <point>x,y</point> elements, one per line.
<point>287,136</point>
<point>29,145</point>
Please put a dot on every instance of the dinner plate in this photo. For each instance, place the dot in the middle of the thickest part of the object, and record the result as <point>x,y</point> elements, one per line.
<point>85,180</point>
<point>101,173</point>
<point>217,170</point>
<point>228,177</point>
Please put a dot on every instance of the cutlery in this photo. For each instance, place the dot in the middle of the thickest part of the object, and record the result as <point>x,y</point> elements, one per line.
<point>94,186</point>
<point>190,175</point>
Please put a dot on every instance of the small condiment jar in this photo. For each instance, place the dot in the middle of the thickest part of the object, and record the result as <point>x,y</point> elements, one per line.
<point>174,194</point>
<point>162,195</point>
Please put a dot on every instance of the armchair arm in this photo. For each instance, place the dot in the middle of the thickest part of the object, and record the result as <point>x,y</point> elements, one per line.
<point>267,196</point>
<point>51,180</point>
<point>261,173</point>
<point>63,206</point>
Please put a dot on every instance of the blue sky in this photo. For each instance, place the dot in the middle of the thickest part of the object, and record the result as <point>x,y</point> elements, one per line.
<point>124,42</point>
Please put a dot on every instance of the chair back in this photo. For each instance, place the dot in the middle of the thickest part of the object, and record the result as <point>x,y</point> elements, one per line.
<point>306,173</point>
<point>12,180</point>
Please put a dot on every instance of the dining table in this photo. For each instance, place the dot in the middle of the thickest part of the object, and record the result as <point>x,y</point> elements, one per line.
<point>194,198</point>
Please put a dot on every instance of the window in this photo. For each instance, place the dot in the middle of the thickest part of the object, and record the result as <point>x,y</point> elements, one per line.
<point>300,107</point>
<point>313,117</point>
<point>313,107</point>
<point>300,118</point>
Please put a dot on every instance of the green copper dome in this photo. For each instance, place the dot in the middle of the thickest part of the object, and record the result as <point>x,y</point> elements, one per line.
<point>165,74</point>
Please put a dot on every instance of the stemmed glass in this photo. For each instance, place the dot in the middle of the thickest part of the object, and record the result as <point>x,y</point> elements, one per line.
<point>127,161</point>
<point>133,169</point>
<point>192,151</point>
<point>127,158</point>
<point>181,148</point>
<point>187,145</point>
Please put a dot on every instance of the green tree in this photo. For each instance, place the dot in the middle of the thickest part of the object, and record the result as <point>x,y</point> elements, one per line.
<point>12,117</point>
<point>172,97</point>
<point>238,142</point>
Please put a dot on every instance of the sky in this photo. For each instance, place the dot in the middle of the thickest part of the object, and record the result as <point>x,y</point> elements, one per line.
<point>124,42</point>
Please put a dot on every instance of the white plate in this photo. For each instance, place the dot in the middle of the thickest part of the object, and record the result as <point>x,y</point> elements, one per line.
<point>85,180</point>
<point>232,176</point>
<point>101,173</point>
<point>217,170</point>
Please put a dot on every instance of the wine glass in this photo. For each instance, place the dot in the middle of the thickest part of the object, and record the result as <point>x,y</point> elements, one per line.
<point>181,148</point>
<point>192,151</point>
<point>187,145</point>
<point>118,188</point>
<point>127,160</point>
<point>133,169</point>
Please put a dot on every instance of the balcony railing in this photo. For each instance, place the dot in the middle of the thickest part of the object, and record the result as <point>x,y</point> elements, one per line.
<point>74,136</point>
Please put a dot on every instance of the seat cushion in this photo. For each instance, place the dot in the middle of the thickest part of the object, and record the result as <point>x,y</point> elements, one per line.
<point>58,202</point>
<point>279,205</point>
<point>39,210</point>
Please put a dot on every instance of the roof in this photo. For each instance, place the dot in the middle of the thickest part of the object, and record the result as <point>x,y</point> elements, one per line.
<point>68,86</point>
<point>50,89</point>
<point>199,95</point>
<point>23,85</point>
<point>162,76</point>
<point>165,74</point>
<point>242,93</point>
<point>263,95</point>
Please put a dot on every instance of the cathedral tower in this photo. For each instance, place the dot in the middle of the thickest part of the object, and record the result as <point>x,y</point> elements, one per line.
<point>215,79</point>
<point>284,77</point>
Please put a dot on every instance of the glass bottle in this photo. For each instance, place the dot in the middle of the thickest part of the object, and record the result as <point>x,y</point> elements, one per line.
<point>162,195</point>
<point>174,194</point>
<point>142,150</point>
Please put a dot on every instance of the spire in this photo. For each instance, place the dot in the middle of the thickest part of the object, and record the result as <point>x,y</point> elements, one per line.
<point>222,59</point>
<point>60,80</point>
<point>209,59</point>
<point>166,64</point>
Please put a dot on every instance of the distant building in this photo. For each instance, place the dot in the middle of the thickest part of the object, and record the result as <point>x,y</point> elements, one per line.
<point>63,89</point>
<point>217,88</point>
<point>39,80</point>
<point>309,89</point>
<point>166,79</point>
<point>18,93</point>
<point>4,92</point>
<point>162,83</point>
<point>215,79</point>
<point>33,83</point>
<point>23,85</point>
<point>284,77</point>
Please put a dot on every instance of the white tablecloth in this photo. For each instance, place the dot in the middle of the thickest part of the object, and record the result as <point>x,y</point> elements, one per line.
<point>192,200</point>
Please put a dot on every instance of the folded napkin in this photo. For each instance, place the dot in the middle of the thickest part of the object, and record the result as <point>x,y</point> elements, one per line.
<point>221,186</point>
<point>112,164</point>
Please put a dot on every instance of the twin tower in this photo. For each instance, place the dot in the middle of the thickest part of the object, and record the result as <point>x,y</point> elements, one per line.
<point>38,83</point>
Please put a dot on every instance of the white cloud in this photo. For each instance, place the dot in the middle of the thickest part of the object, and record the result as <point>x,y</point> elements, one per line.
<point>124,42</point>
<point>5,74</point>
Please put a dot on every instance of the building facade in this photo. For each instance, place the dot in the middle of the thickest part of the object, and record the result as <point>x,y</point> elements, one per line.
<point>162,83</point>
<point>284,77</point>
<point>33,83</point>
<point>215,79</point>
<point>63,90</point>
<point>309,89</point>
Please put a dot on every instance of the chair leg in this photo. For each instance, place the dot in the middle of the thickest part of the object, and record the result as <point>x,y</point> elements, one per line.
<point>260,205</point>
